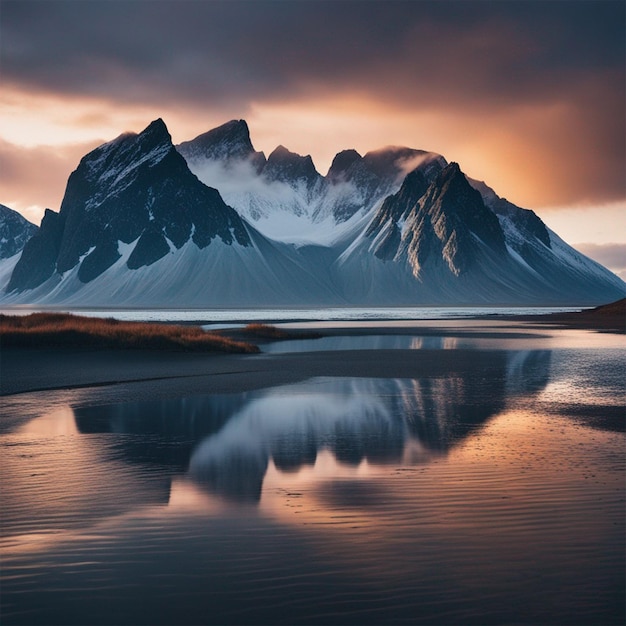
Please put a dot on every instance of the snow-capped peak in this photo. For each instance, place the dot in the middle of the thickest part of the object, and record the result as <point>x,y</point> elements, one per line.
<point>394,227</point>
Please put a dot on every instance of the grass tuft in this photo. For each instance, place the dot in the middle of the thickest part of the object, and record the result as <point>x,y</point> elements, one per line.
<point>65,330</point>
<point>266,331</point>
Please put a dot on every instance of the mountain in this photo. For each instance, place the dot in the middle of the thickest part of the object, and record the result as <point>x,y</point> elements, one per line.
<point>15,231</point>
<point>227,144</point>
<point>441,242</point>
<point>436,226</point>
<point>136,191</point>
<point>285,197</point>
<point>136,225</point>
<point>397,226</point>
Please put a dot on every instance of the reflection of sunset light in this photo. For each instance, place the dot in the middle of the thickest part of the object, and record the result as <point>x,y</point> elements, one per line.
<point>187,496</point>
<point>58,422</point>
<point>502,471</point>
<point>60,479</point>
<point>575,391</point>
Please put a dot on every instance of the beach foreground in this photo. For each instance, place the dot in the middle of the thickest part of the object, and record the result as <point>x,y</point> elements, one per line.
<point>466,471</point>
<point>37,368</point>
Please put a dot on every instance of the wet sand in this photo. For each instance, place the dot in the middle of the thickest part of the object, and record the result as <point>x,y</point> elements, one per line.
<point>38,370</point>
<point>148,497</point>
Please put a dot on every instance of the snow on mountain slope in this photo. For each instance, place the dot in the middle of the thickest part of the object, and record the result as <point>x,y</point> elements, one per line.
<point>284,196</point>
<point>137,228</point>
<point>135,189</point>
<point>15,231</point>
<point>537,247</point>
<point>394,227</point>
<point>439,242</point>
<point>221,275</point>
<point>6,269</point>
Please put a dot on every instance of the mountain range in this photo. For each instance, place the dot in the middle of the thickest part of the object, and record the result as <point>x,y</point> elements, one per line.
<point>214,223</point>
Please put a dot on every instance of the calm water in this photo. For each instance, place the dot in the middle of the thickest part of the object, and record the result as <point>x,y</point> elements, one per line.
<point>493,494</point>
<point>228,316</point>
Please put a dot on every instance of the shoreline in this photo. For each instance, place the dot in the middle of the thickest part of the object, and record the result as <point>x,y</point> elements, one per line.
<point>31,369</point>
<point>25,370</point>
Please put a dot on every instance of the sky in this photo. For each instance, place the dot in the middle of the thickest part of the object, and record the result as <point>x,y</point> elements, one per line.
<point>529,96</point>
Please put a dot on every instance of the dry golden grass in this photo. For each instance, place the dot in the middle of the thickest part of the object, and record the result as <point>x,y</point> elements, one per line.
<point>43,330</point>
<point>266,331</point>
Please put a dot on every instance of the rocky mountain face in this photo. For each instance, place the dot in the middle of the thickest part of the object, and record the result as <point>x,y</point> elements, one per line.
<point>136,191</point>
<point>444,221</point>
<point>375,176</point>
<point>15,231</point>
<point>139,226</point>
<point>269,193</point>
<point>227,144</point>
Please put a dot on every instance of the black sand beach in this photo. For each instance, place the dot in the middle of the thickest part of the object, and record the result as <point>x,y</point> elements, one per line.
<point>38,370</point>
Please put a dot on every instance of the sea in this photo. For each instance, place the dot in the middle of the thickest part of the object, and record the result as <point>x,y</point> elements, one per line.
<point>286,314</point>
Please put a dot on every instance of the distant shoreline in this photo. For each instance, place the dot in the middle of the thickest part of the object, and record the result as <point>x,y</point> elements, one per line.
<point>605,318</point>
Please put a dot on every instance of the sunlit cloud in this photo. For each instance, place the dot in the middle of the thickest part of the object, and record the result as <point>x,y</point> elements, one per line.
<point>34,118</point>
<point>578,224</point>
<point>611,255</point>
<point>527,97</point>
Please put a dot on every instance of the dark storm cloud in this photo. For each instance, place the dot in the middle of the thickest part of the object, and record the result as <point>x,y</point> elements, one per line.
<point>136,49</point>
<point>475,58</point>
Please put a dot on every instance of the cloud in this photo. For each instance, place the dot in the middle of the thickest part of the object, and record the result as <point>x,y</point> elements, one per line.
<point>600,224</point>
<point>532,91</point>
<point>611,255</point>
<point>33,179</point>
<point>227,50</point>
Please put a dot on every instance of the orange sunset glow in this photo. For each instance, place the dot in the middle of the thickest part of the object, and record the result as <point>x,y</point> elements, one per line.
<point>529,98</point>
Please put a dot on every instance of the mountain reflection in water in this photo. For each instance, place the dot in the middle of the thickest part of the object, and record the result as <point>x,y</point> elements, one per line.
<point>224,443</point>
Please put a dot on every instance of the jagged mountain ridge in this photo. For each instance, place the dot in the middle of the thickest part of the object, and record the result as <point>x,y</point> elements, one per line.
<point>284,195</point>
<point>227,143</point>
<point>136,225</point>
<point>441,242</point>
<point>137,228</point>
<point>135,189</point>
<point>444,221</point>
<point>15,231</point>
